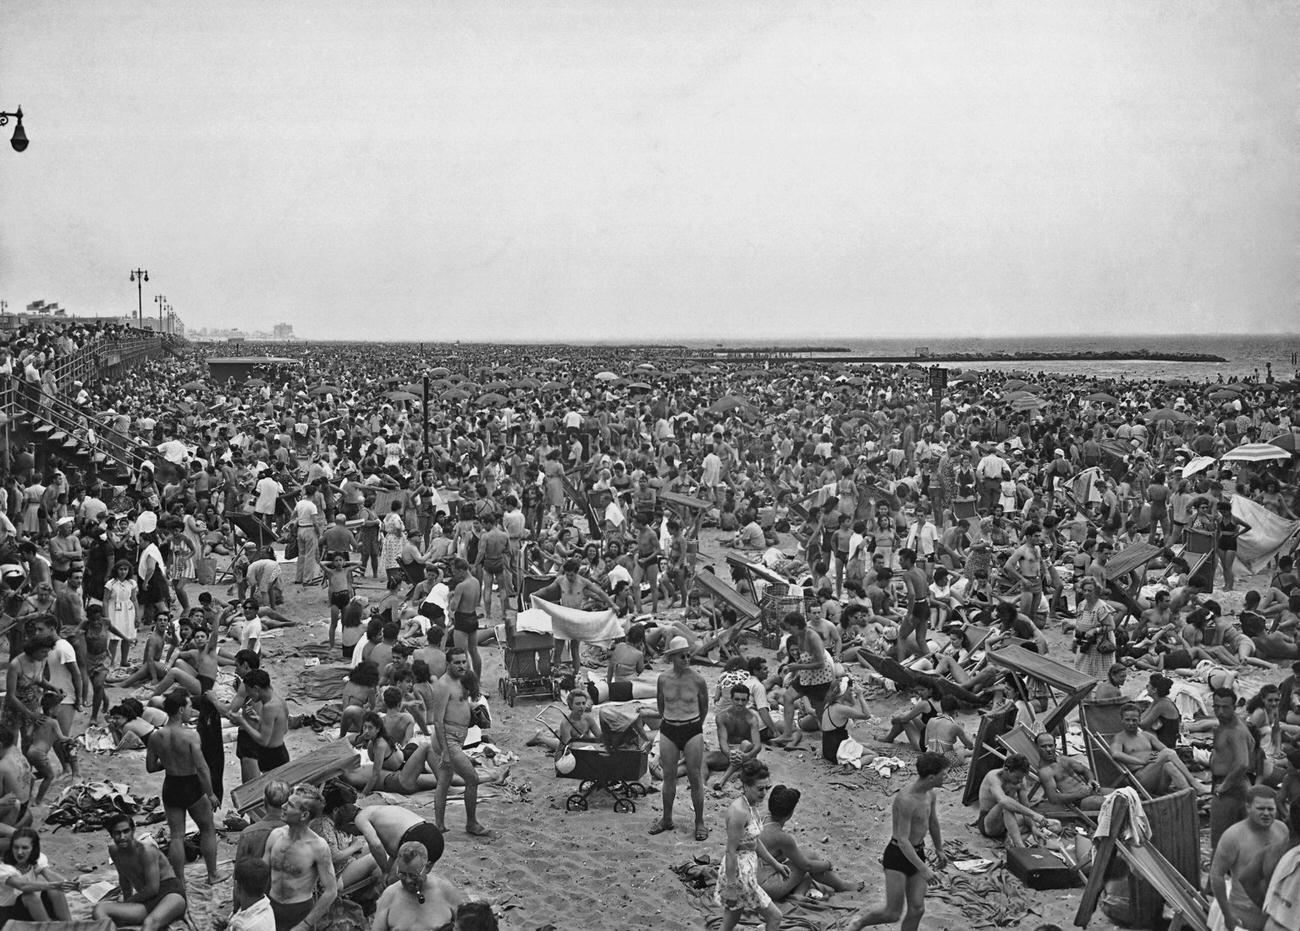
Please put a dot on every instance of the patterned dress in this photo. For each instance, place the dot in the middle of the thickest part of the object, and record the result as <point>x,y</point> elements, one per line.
<point>749,894</point>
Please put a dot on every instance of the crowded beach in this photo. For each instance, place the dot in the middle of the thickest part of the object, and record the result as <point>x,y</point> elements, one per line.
<point>415,636</point>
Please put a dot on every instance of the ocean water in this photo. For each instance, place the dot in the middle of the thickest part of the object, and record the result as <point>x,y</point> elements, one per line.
<point>1245,353</point>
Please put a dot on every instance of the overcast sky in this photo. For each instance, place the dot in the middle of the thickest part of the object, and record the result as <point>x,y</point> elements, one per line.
<point>653,170</point>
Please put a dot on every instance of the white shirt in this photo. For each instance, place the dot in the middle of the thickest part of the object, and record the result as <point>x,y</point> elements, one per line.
<point>268,489</point>
<point>255,917</point>
<point>304,513</point>
<point>59,675</point>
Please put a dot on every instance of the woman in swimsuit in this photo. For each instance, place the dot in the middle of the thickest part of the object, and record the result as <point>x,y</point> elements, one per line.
<point>25,684</point>
<point>385,755</point>
<point>738,889</point>
<point>913,720</point>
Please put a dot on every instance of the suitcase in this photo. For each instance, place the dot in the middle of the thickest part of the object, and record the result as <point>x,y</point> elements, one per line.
<point>1040,868</point>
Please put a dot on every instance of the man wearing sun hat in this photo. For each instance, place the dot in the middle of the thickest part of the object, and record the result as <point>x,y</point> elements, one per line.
<point>682,697</point>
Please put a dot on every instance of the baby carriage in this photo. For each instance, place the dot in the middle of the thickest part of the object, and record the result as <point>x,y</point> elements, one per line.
<point>527,666</point>
<point>615,764</point>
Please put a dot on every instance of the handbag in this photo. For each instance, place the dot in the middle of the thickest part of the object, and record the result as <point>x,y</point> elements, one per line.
<point>480,717</point>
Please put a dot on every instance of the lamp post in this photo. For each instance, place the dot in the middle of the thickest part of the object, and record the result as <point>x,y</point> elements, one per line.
<point>19,140</point>
<point>140,276</point>
<point>161,301</point>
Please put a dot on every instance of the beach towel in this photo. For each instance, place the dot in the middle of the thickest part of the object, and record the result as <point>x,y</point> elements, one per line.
<point>576,624</point>
<point>1268,533</point>
<point>1138,828</point>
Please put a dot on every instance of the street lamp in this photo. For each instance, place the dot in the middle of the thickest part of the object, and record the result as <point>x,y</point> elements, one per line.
<point>19,140</point>
<point>140,276</point>
<point>161,301</point>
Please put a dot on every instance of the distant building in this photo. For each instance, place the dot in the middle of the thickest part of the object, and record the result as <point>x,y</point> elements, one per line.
<point>923,352</point>
<point>282,331</point>
<point>41,307</point>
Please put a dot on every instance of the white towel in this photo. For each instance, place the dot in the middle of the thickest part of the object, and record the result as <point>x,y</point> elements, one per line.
<point>586,626</point>
<point>1282,901</point>
<point>1138,828</point>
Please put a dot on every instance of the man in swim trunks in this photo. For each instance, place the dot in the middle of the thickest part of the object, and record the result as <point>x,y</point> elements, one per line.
<point>917,615</point>
<point>152,895</point>
<point>385,828</point>
<point>1004,803</point>
<point>187,785</point>
<point>272,723</point>
<point>1156,766</point>
<point>494,564</point>
<point>683,701</point>
<point>300,860</point>
<point>739,736</point>
<point>462,607</point>
<point>450,720</point>
<point>906,872</point>
<point>1025,566</point>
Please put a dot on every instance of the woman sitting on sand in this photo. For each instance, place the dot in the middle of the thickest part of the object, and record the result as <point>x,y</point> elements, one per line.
<point>358,696</point>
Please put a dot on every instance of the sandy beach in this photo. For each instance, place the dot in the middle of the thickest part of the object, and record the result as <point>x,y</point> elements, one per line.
<point>546,866</point>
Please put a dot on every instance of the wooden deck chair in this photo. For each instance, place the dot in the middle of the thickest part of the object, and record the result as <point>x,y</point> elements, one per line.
<point>1100,724</point>
<point>1020,739</point>
<point>332,759</point>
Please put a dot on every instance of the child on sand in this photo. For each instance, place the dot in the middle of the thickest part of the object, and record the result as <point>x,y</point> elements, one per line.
<point>47,736</point>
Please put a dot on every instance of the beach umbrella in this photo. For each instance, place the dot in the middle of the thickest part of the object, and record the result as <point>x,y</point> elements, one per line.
<point>195,385</point>
<point>638,386</point>
<point>526,382</point>
<point>325,389</point>
<point>1017,395</point>
<point>1198,464</point>
<point>1223,394</point>
<point>605,376</point>
<point>1027,403</point>
<point>1287,441</point>
<point>1015,384</point>
<point>455,394</point>
<point>491,399</point>
<point>967,377</point>
<point>1255,452</point>
<point>1167,413</point>
<point>1212,390</point>
<point>551,360</point>
<point>554,386</point>
<point>440,372</point>
<point>728,403</point>
<point>1102,397</point>
<point>496,386</point>
<point>647,366</point>
<point>255,383</point>
<point>401,396</point>
<point>414,387</point>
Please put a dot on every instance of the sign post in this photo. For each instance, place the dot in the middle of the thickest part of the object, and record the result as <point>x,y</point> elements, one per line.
<point>938,382</point>
<point>425,417</point>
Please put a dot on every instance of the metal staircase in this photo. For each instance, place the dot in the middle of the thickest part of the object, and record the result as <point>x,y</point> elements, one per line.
<point>71,433</point>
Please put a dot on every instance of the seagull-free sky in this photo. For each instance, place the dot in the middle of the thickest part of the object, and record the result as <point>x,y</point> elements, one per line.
<point>658,170</point>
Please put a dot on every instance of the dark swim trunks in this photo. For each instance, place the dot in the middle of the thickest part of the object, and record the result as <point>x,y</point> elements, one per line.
<point>466,622</point>
<point>681,732</point>
<point>181,791</point>
<point>269,758</point>
<point>894,859</point>
<point>426,834</point>
<point>169,886</point>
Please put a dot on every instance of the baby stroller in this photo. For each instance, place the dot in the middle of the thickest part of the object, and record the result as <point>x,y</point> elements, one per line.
<point>616,764</point>
<point>527,666</point>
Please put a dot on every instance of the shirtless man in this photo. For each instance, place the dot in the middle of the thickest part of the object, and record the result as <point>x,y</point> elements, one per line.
<point>272,723</point>
<point>152,894</point>
<point>1275,871</point>
<point>462,608</point>
<point>450,720</point>
<point>187,786</point>
<point>300,860</point>
<point>1238,853</point>
<point>493,564</point>
<point>917,613</point>
<point>418,900</point>
<point>387,828</point>
<point>1065,780</point>
<point>1153,764</point>
<point>572,590</point>
<point>739,736</point>
<point>1004,803</point>
<point>915,814</point>
<point>682,697</point>
<point>1230,760</point>
<point>1025,567</point>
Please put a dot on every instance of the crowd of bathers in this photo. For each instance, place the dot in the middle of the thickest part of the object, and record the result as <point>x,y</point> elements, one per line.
<point>907,522</point>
